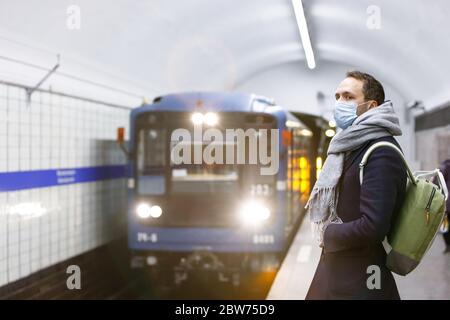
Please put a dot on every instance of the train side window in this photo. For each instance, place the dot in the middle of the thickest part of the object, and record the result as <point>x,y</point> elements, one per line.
<point>151,160</point>
<point>298,174</point>
<point>151,149</point>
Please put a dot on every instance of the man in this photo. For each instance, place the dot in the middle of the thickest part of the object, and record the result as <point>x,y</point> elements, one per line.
<point>351,220</point>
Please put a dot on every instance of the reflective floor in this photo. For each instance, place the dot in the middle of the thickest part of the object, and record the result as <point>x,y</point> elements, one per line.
<point>430,280</point>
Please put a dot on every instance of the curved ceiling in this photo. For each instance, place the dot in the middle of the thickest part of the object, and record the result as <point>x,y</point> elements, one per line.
<point>165,46</point>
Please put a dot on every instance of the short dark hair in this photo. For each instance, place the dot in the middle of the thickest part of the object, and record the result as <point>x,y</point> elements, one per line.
<point>372,88</point>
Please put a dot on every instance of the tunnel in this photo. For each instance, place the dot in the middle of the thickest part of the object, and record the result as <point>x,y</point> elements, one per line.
<point>224,150</point>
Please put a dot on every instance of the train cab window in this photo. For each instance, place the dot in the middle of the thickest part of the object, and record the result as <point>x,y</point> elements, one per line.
<point>151,159</point>
<point>203,178</point>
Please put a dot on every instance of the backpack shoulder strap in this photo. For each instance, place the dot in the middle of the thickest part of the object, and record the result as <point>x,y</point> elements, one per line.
<point>378,145</point>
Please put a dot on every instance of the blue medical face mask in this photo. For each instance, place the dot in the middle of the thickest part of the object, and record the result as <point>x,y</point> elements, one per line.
<point>345,113</point>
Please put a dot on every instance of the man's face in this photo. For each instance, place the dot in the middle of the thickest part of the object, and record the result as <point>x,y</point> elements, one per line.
<point>351,90</point>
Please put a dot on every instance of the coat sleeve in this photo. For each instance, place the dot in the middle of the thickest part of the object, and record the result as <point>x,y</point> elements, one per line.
<point>384,175</point>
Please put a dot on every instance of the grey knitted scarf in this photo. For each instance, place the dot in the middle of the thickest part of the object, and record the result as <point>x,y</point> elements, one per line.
<point>378,122</point>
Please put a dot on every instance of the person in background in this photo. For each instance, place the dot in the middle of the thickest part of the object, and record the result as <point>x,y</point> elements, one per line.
<point>445,169</point>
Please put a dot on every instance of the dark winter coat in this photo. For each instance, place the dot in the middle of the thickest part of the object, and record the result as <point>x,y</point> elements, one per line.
<point>353,250</point>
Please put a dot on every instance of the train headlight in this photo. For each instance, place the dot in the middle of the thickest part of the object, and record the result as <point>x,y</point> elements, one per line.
<point>211,119</point>
<point>155,211</point>
<point>253,213</point>
<point>197,118</point>
<point>144,211</point>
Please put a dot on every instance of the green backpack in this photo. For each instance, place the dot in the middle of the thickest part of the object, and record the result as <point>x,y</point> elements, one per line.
<point>414,228</point>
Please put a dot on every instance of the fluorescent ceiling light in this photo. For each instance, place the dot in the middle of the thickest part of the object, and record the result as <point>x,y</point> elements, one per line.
<point>304,34</point>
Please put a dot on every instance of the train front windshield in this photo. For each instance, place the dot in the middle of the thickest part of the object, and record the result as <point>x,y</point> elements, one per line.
<point>204,193</point>
<point>205,178</point>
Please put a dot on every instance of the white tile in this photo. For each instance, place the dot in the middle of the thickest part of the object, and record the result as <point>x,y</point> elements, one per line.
<point>54,162</point>
<point>3,258</point>
<point>34,253</point>
<point>54,237</point>
<point>62,140</point>
<point>55,133</point>
<point>35,266</point>
<point>44,98</point>
<point>3,204</point>
<point>53,259</point>
<point>35,119</point>
<point>35,231</point>
<point>13,250</point>
<point>63,255</point>
<point>24,126</point>
<point>45,128</point>
<point>25,163</point>
<point>26,117</point>
<point>13,116</point>
<point>25,253</point>
<point>35,136</point>
<point>45,257</point>
<point>45,163</point>
<point>3,141</point>
<point>13,140</point>
<point>64,162</point>
<point>13,263</point>
<point>71,247</point>
<point>3,164</point>
<point>3,252</point>
<point>13,164</point>
<point>13,232</point>
<point>47,144</point>
<point>45,260</point>
<point>35,163</point>
<point>24,247</point>
<point>13,129</point>
<point>3,277</point>
<point>25,268</point>
<point>25,142</point>
<point>3,120</point>
<point>13,151</point>
<point>14,275</point>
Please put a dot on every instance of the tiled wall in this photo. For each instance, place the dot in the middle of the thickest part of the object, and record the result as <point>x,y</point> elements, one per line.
<point>40,227</point>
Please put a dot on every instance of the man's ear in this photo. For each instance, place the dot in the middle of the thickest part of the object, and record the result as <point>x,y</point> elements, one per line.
<point>373,104</point>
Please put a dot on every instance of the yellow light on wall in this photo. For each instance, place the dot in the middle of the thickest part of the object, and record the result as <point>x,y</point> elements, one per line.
<point>304,186</point>
<point>319,162</point>
<point>304,175</point>
<point>330,133</point>
<point>303,162</point>
<point>318,166</point>
<point>306,132</point>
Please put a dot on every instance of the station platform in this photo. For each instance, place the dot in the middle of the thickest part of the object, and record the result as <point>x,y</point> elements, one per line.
<point>430,280</point>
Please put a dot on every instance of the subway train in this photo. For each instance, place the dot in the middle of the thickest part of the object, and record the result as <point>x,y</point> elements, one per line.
<point>217,182</point>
